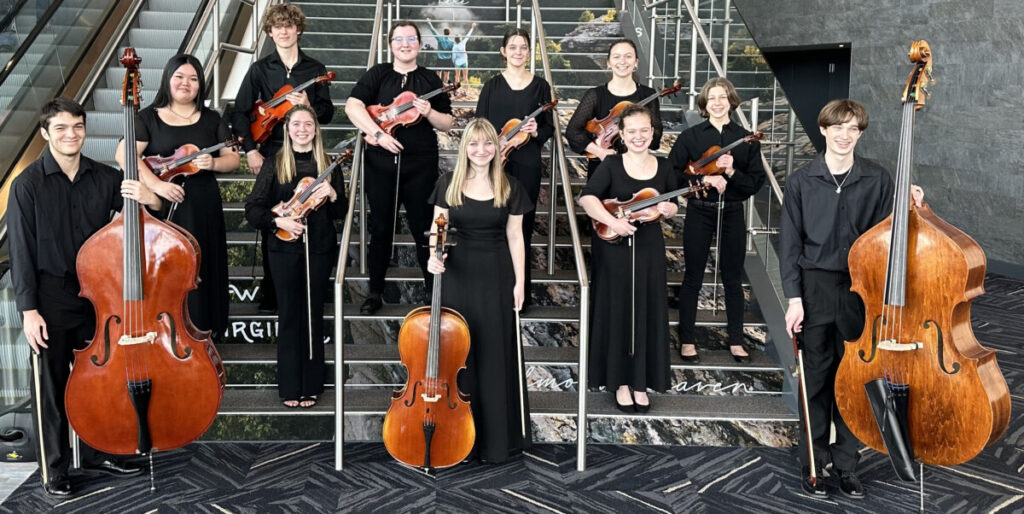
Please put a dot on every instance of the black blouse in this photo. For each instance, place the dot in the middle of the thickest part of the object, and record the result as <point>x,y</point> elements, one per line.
<point>499,103</point>
<point>597,102</point>
<point>164,139</point>
<point>268,192</point>
<point>611,180</point>
<point>381,84</point>
<point>749,175</point>
<point>481,221</point>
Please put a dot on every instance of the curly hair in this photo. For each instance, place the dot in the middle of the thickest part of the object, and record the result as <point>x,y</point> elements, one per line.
<point>283,14</point>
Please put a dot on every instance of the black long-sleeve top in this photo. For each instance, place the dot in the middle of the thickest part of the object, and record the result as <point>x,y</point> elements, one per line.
<point>50,218</point>
<point>819,225</point>
<point>749,174</point>
<point>499,103</point>
<point>596,103</point>
<point>268,192</point>
<point>266,76</point>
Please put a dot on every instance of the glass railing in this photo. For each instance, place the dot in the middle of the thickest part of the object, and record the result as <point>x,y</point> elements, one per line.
<point>14,361</point>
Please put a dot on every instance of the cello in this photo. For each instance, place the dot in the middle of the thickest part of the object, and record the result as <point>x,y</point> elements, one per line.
<point>429,423</point>
<point>149,379</point>
<point>917,275</point>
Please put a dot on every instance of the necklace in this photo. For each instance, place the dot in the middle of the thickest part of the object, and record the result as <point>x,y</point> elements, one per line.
<point>186,118</point>
<point>839,185</point>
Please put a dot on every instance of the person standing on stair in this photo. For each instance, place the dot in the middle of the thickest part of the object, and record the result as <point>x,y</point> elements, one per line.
<point>513,94</point>
<point>460,58</point>
<point>597,102</point>
<point>177,117</point>
<point>629,313</point>
<point>743,177</point>
<point>300,373</point>
<point>444,50</point>
<point>829,203</point>
<point>483,281</point>
<point>287,64</point>
<point>404,163</point>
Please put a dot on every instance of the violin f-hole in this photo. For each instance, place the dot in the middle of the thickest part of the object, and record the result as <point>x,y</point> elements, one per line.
<point>174,336</point>
<point>874,339</point>
<point>939,349</point>
<point>106,342</point>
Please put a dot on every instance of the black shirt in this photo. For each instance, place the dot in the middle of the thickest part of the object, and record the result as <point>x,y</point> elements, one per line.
<point>596,103</point>
<point>381,84</point>
<point>499,103</point>
<point>50,217</point>
<point>266,76</point>
<point>749,175</point>
<point>268,192</point>
<point>819,225</point>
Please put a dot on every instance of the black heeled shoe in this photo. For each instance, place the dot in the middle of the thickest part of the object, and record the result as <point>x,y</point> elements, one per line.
<point>639,407</point>
<point>690,359</point>
<point>742,359</point>
<point>628,408</point>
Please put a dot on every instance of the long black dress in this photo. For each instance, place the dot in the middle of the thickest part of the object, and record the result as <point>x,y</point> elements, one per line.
<point>610,329</point>
<point>478,283</point>
<point>201,213</point>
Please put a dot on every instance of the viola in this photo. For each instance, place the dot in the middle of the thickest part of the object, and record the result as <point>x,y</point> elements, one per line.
<point>429,423</point>
<point>149,379</point>
<point>605,131</point>
<point>707,164</point>
<point>180,162</point>
<point>266,115</point>
<point>401,112</point>
<point>640,208</point>
<point>513,137</point>
<point>302,202</point>
<point>917,276</point>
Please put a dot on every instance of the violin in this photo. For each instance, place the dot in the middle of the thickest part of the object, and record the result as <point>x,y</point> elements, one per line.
<point>917,276</point>
<point>605,131</point>
<point>180,163</point>
<point>266,115</point>
<point>149,379</point>
<point>640,208</point>
<point>401,112</point>
<point>512,136</point>
<point>429,423</point>
<point>302,202</point>
<point>707,164</point>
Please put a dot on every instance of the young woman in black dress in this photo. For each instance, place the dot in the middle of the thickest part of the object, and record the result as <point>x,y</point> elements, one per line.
<point>515,93</point>
<point>483,280</point>
<point>300,378</point>
<point>630,358</point>
<point>597,102</point>
<point>175,118</point>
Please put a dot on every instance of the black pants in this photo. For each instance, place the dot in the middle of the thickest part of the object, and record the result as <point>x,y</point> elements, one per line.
<point>70,322</point>
<point>701,220</point>
<point>529,177</point>
<point>297,374</point>
<point>418,176</point>
<point>267,290</point>
<point>829,310</point>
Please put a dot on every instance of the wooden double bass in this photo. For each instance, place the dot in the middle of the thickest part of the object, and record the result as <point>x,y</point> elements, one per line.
<point>917,276</point>
<point>429,423</point>
<point>149,380</point>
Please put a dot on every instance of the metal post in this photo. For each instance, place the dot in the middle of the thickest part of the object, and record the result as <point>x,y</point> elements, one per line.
<point>362,219</point>
<point>533,37</point>
<point>216,52</point>
<point>519,15</point>
<point>581,391</point>
<point>750,201</point>
<point>552,210</point>
<point>507,8</point>
<point>790,136</point>
<point>725,37</point>
<point>255,30</point>
<point>650,49</point>
<point>339,378</point>
<point>679,28</point>
<point>693,64</point>
<point>389,30</point>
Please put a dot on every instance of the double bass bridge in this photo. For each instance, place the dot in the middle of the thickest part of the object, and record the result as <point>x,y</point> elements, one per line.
<point>127,340</point>
<point>892,345</point>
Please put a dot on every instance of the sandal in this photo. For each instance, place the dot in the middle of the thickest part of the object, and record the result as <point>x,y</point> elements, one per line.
<point>307,402</point>
<point>291,403</point>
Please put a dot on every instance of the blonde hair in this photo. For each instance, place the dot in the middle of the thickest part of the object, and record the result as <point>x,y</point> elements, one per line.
<point>286,157</point>
<point>499,182</point>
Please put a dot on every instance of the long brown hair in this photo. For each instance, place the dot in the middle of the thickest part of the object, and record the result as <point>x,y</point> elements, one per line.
<point>286,156</point>
<point>499,182</point>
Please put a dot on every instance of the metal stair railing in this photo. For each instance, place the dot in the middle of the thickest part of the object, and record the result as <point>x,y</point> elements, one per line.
<point>355,192</point>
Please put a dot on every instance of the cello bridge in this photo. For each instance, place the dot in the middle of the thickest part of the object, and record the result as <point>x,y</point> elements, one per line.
<point>430,398</point>
<point>127,340</point>
<point>892,345</point>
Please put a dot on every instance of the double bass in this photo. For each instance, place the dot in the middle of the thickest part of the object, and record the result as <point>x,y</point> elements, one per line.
<point>917,275</point>
<point>149,379</point>
<point>429,423</point>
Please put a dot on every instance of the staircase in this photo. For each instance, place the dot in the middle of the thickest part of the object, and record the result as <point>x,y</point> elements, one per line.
<point>717,402</point>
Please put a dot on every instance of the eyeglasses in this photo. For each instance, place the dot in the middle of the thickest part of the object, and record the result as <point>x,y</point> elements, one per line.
<point>407,39</point>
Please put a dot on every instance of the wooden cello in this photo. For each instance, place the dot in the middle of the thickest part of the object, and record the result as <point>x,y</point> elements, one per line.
<point>917,276</point>
<point>148,379</point>
<point>429,423</point>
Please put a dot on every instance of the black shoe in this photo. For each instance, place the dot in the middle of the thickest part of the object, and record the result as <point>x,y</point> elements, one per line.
<point>817,489</point>
<point>742,359</point>
<point>639,407</point>
<point>690,359</point>
<point>113,468</point>
<point>371,305</point>
<point>849,484</point>
<point>628,408</point>
<point>59,485</point>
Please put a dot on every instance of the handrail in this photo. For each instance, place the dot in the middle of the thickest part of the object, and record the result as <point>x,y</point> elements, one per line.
<point>558,157</point>
<point>108,51</point>
<point>31,38</point>
<point>355,182</point>
<point>195,27</point>
<point>9,17</point>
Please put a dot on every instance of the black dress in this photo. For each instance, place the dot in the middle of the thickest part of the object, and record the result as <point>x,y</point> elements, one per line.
<point>610,329</point>
<point>478,283</point>
<point>201,213</point>
<point>596,103</point>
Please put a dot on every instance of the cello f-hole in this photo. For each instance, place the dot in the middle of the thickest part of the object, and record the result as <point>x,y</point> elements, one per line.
<point>412,397</point>
<point>941,354</point>
<point>106,342</point>
<point>874,340</point>
<point>174,336</point>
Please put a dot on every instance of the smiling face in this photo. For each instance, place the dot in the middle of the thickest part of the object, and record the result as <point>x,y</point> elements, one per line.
<point>841,139</point>
<point>637,132</point>
<point>405,45</point>
<point>718,105</point>
<point>184,84</point>
<point>301,129</point>
<point>65,134</point>
<point>622,60</point>
<point>285,35</point>
<point>480,151</point>
<point>516,51</point>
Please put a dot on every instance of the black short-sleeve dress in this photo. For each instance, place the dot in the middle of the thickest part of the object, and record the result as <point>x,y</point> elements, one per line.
<point>478,283</point>
<point>611,331</point>
<point>202,213</point>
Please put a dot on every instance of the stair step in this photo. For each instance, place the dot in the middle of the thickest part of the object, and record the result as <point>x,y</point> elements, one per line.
<point>249,238</point>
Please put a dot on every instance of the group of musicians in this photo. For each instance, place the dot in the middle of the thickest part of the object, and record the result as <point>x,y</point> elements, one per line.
<point>64,197</point>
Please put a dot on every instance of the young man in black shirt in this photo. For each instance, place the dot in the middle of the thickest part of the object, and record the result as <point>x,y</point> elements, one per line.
<point>57,203</point>
<point>408,158</point>
<point>829,203</point>
<point>288,64</point>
